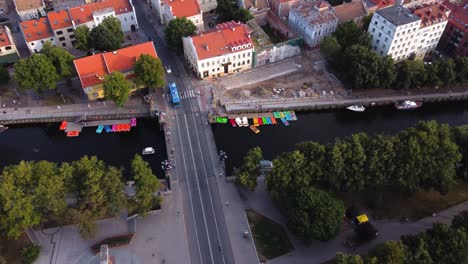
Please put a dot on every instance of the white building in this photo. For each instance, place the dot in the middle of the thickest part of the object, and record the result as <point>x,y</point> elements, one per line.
<point>399,33</point>
<point>190,9</point>
<point>36,32</point>
<point>227,50</point>
<point>91,15</point>
<point>313,20</point>
<point>29,9</point>
<point>62,27</point>
<point>8,51</point>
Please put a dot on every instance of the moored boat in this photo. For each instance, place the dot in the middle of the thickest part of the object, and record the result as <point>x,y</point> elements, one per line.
<point>99,129</point>
<point>356,108</point>
<point>233,123</point>
<point>221,120</point>
<point>245,121</point>
<point>238,122</point>
<point>285,122</point>
<point>254,129</point>
<point>273,120</point>
<point>255,122</point>
<point>408,105</point>
<point>148,151</point>
<point>73,133</point>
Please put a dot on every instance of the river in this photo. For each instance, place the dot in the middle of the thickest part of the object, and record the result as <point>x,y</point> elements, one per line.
<point>325,126</point>
<point>47,142</point>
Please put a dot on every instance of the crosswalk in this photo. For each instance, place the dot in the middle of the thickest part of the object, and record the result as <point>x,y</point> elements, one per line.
<point>183,95</point>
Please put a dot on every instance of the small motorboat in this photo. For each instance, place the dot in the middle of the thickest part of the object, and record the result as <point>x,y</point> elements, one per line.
<point>285,122</point>
<point>255,122</point>
<point>233,123</point>
<point>221,120</point>
<point>356,108</point>
<point>264,120</point>
<point>108,129</point>
<point>99,129</point>
<point>268,120</point>
<point>245,121</point>
<point>408,105</point>
<point>239,122</point>
<point>133,122</point>
<point>254,129</point>
<point>273,120</point>
<point>73,133</point>
<point>148,151</point>
<point>63,125</point>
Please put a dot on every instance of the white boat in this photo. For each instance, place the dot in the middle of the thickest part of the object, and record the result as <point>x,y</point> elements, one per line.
<point>148,151</point>
<point>238,122</point>
<point>245,121</point>
<point>407,105</point>
<point>356,108</point>
<point>3,128</point>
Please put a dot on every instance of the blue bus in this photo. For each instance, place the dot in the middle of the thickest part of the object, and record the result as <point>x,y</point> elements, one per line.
<point>174,94</point>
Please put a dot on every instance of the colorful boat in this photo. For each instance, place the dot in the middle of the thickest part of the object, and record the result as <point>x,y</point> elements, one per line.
<point>108,129</point>
<point>255,129</point>
<point>221,120</point>
<point>285,122</point>
<point>293,116</point>
<point>273,120</point>
<point>238,121</point>
<point>245,121</point>
<point>63,126</point>
<point>99,129</point>
<point>133,122</point>
<point>264,121</point>
<point>255,122</point>
<point>260,121</point>
<point>288,116</point>
<point>268,120</point>
<point>233,122</point>
<point>281,115</point>
<point>73,133</point>
<point>276,115</point>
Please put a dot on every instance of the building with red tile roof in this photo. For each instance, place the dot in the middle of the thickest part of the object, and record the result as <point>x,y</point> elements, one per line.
<point>62,26</point>
<point>36,32</point>
<point>8,51</point>
<point>92,69</point>
<point>354,10</point>
<point>281,7</point>
<point>454,40</point>
<point>313,20</point>
<point>189,9</point>
<point>29,9</point>
<point>226,50</point>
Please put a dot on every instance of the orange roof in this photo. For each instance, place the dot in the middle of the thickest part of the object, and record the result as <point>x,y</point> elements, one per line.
<point>184,8</point>
<point>432,14</point>
<point>83,14</point>
<point>36,29</point>
<point>383,3</point>
<point>4,39</point>
<point>350,10</point>
<point>92,69</point>
<point>220,42</point>
<point>59,19</point>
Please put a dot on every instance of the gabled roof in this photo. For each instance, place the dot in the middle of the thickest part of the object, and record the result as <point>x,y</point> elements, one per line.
<point>184,8</point>
<point>398,15</point>
<point>23,5</point>
<point>315,13</point>
<point>92,69</point>
<point>459,15</point>
<point>36,29</point>
<point>432,14</point>
<point>222,41</point>
<point>83,14</point>
<point>349,11</point>
<point>382,3</point>
<point>4,38</point>
<point>59,19</point>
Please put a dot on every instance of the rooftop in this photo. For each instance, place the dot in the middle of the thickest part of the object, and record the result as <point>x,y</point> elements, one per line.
<point>92,69</point>
<point>83,14</point>
<point>59,19</point>
<point>432,14</point>
<point>184,8</point>
<point>23,5</point>
<point>382,3</point>
<point>349,11</point>
<point>36,29</point>
<point>4,39</point>
<point>222,40</point>
<point>315,12</point>
<point>397,15</point>
<point>459,15</point>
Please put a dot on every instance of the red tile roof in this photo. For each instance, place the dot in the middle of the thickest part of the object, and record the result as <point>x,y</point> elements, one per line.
<point>59,19</point>
<point>459,15</point>
<point>83,14</point>
<point>92,69</point>
<point>383,3</point>
<point>4,39</point>
<point>349,11</point>
<point>36,29</point>
<point>432,14</point>
<point>221,41</point>
<point>184,8</point>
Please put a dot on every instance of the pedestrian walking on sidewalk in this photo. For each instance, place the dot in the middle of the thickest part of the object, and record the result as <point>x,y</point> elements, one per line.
<point>227,203</point>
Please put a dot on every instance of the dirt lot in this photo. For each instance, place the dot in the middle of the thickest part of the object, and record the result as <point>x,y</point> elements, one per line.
<point>311,80</point>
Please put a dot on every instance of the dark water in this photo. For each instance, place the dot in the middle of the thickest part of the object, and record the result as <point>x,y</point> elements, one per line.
<point>325,126</point>
<point>47,142</point>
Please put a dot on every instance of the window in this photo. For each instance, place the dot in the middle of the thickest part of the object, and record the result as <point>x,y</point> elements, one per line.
<point>380,34</point>
<point>378,41</point>
<point>70,30</point>
<point>60,32</point>
<point>32,44</point>
<point>72,36</point>
<point>62,38</point>
<point>375,23</point>
<point>203,64</point>
<point>64,44</point>
<point>248,61</point>
<point>73,42</point>
<point>8,48</point>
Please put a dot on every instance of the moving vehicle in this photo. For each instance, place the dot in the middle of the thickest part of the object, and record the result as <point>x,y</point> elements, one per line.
<point>148,151</point>
<point>407,105</point>
<point>168,68</point>
<point>254,129</point>
<point>356,108</point>
<point>175,99</point>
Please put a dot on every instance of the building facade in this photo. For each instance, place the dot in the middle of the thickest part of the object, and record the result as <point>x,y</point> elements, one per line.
<point>8,51</point>
<point>281,7</point>
<point>225,51</point>
<point>92,69</point>
<point>62,27</point>
<point>189,9</point>
<point>313,20</point>
<point>36,32</point>
<point>29,9</point>
<point>454,40</point>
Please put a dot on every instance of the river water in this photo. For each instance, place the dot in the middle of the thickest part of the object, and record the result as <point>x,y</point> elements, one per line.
<point>47,142</point>
<point>325,126</point>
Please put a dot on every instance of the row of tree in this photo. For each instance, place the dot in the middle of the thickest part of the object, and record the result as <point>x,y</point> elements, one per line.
<point>349,53</point>
<point>106,36</point>
<point>421,157</point>
<point>34,193</point>
<point>440,244</point>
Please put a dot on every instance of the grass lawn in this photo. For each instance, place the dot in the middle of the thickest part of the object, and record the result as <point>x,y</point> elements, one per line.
<point>11,249</point>
<point>421,204</point>
<point>270,237</point>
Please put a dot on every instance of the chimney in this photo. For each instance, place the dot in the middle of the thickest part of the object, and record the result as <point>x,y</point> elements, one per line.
<point>233,29</point>
<point>398,2</point>
<point>206,46</point>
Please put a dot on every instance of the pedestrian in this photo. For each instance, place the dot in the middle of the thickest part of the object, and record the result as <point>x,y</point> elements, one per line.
<point>153,255</point>
<point>227,203</point>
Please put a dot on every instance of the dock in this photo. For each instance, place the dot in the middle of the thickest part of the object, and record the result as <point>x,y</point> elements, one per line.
<point>78,126</point>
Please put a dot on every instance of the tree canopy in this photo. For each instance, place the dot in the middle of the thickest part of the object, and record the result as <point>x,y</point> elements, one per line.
<point>146,186</point>
<point>248,173</point>
<point>176,29</point>
<point>228,10</point>
<point>60,57</point>
<point>150,71</point>
<point>37,72</point>
<point>117,88</point>
<point>82,35</point>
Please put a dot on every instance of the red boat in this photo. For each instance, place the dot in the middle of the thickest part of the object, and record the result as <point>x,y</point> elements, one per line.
<point>73,133</point>
<point>63,125</point>
<point>260,121</point>
<point>233,122</point>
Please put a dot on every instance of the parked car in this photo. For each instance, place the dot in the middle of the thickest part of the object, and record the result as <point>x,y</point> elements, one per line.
<point>168,69</point>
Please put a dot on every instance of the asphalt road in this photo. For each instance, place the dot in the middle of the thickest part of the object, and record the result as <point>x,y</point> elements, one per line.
<point>207,233</point>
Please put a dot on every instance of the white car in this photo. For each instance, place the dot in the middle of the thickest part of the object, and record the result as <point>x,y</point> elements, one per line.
<point>168,69</point>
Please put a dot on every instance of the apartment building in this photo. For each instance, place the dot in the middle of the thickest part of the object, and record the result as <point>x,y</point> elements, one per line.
<point>226,50</point>
<point>454,40</point>
<point>62,27</point>
<point>29,9</point>
<point>313,20</point>
<point>189,9</point>
<point>8,51</point>
<point>36,32</point>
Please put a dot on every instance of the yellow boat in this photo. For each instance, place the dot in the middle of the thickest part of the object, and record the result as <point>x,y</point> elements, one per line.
<point>254,129</point>
<point>255,121</point>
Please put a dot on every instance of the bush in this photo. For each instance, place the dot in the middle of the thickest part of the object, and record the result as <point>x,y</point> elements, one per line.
<point>30,254</point>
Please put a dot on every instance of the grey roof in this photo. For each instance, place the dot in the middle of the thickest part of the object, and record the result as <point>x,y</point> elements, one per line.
<point>398,15</point>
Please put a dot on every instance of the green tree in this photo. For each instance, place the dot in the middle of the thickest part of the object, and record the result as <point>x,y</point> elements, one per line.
<point>114,191</point>
<point>4,75</point>
<point>362,64</point>
<point>176,29</point>
<point>410,74</point>
<point>390,252</point>
<point>243,15</point>
<point>348,259</point>
<point>114,26</point>
<point>149,71</point>
<point>82,35</point>
<point>365,22</point>
<point>30,253</point>
<point>103,39</point>
<point>117,88</point>
<point>461,139</point>
<point>432,73</point>
<point>3,260</point>
<point>446,244</point>
<point>387,72</point>
<point>37,72</point>
<point>461,69</point>
<point>461,220</point>
<point>330,47</point>
<point>249,172</point>
<point>446,71</point>
<point>349,33</point>
<point>146,186</point>
<point>60,57</point>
